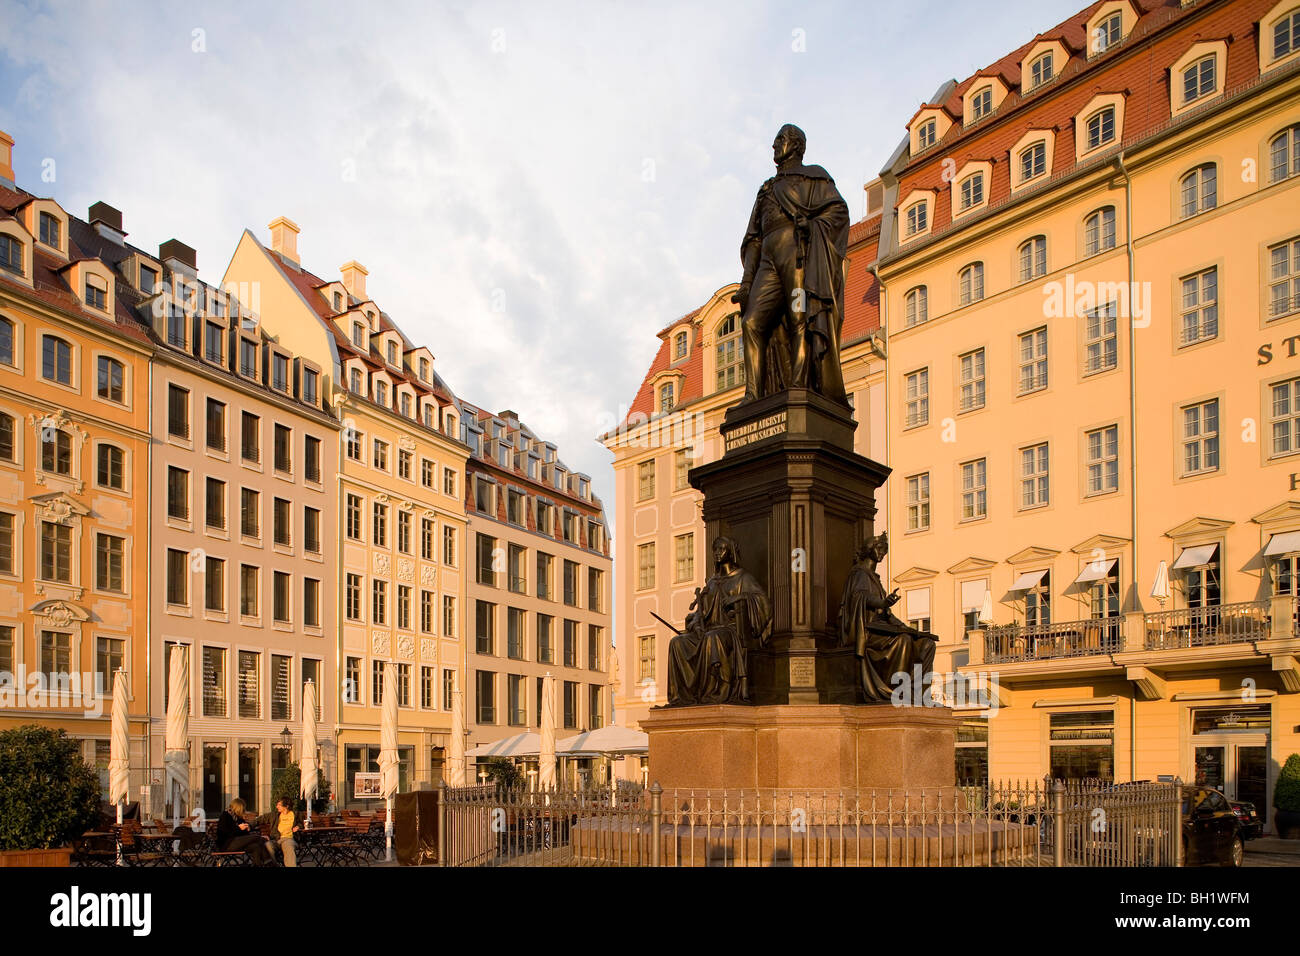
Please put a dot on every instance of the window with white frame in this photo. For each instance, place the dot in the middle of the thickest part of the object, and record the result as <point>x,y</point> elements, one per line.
<point>1099,231</point>
<point>1284,417</point>
<point>981,103</point>
<point>1033,161</point>
<point>1033,258</point>
<point>918,502</point>
<point>927,133</point>
<point>1033,476</point>
<point>1284,154</point>
<point>1284,278</point>
<point>1100,128</point>
<point>972,191</point>
<point>916,306</point>
<point>1041,70</point>
<point>1100,339</point>
<point>728,355</point>
<point>1286,35</point>
<point>1200,307</point>
<point>1199,190</point>
<point>1033,360</point>
<point>971,378</point>
<point>974,489</point>
<point>1107,33</point>
<point>679,346</point>
<point>970,283</point>
<point>916,218</point>
<point>1102,446</point>
<point>917,397</point>
<point>1201,437</point>
<point>1198,79</point>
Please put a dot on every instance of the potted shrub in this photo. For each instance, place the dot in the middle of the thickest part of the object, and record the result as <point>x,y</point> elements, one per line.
<point>286,783</point>
<point>504,773</point>
<point>1286,799</point>
<point>48,796</point>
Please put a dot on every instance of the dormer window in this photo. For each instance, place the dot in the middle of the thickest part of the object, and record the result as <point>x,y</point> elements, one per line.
<point>1041,70</point>
<point>96,293</point>
<point>359,335</point>
<point>214,343</point>
<point>926,134</point>
<point>393,358</point>
<point>424,369</point>
<point>916,218</point>
<point>1101,127</point>
<point>1107,33</point>
<point>1033,161</point>
<point>406,404</point>
<point>429,416</point>
<point>338,301</point>
<point>51,231</point>
<point>1286,35</point>
<point>356,383</point>
<point>11,255</point>
<point>972,191</point>
<point>148,280</point>
<point>679,346</point>
<point>1198,79</point>
<point>175,326</point>
<point>280,372</point>
<point>309,385</point>
<point>248,358</point>
<point>666,397</point>
<point>381,392</point>
<point>981,104</point>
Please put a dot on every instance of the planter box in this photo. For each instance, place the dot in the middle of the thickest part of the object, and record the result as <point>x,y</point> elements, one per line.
<point>57,857</point>
<point>1287,823</point>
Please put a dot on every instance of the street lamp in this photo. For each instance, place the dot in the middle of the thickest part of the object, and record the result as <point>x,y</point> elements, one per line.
<point>286,736</point>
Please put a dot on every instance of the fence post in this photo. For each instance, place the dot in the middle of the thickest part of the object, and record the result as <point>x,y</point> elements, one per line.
<point>442,822</point>
<point>1178,821</point>
<point>656,817</point>
<point>1058,823</point>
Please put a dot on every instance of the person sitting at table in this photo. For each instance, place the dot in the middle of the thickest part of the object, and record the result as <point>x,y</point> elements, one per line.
<point>234,833</point>
<point>187,834</point>
<point>284,823</point>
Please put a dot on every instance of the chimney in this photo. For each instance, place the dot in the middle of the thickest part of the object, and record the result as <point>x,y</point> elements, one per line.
<point>107,222</point>
<point>875,191</point>
<point>179,257</point>
<point>284,238</point>
<point>354,279</point>
<point>6,160</point>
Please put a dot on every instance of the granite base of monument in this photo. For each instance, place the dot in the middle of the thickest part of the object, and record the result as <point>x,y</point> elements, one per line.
<point>802,747</point>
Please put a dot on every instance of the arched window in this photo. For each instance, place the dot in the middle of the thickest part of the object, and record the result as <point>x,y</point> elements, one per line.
<point>972,191</point>
<point>56,451</point>
<point>1033,258</point>
<point>666,397</point>
<point>7,341</point>
<point>917,306</point>
<point>381,393</point>
<point>111,379</point>
<point>981,104</point>
<point>1284,154</point>
<point>406,404</point>
<point>359,335</point>
<point>108,467</point>
<point>729,356</point>
<point>8,435</point>
<point>1199,79</point>
<point>916,218</point>
<point>926,134</point>
<point>1041,70</point>
<point>355,382</point>
<point>1101,127</point>
<point>1200,189</point>
<point>1099,231</point>
<point>1033,161</point>
<point>679,346</point>
<point>1107,33</point>
<point>56,360</point>
<point>971,282</point>
<point>11,255</point>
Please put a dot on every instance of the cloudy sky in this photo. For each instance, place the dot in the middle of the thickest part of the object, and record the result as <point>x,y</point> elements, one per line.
<point>535,187</point>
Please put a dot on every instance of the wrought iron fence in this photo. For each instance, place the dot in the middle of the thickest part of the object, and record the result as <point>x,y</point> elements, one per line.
<point>1041,823</point>
<point>1205,626</point>
<point>1018,642</point>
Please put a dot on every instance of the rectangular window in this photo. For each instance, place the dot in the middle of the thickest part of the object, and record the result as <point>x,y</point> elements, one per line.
<point>352,681</point>
<point>545,646</point>
<point>595,710</point>
<point>311,455</point>
<point>178,411</point>
<point>379,602</point>
<point>485,560</point>
<point>249,591</point>
<point>178,493</point>
<point>448,688</point>
<point>645,565</point>
<point>177,577</point>
<point>545,561</point>
<point>917,397</point>
<point>377,683</point>
<point>250,443</point>
<point>1100,339</point>
<point>404,532</point>
<point>379,525</point>
<point>283,446</point>
<point>352,443</point>
<point>1284,277</point>
<point>595,589</point>
<point>214,343</point>
<point>248,700</point>
<point>515,563</point>
<point>645,657</point>
<point>352,517</point>
<point>570,643</point>
<point>352,597</point>
<point>56,552</point>
<point>109,550</point>
<point>515,633</point>
<point>1033,476</point>
<point>311,530</point>
<point>485,685</point>
<point>485,622</point>
<point>1200,307</point>
<point>216,425</point>
<point>516,713</point>
<point>426,472</point>
<point>214,584</point>
<point>214,682</point>
<point>684,558</point>
<point>449,547</point>
<point>51,231</point>
<point>971,366</point>
<point>974,490</point>
<point>404,607</point>
<point>280,597</point>
<point>249,525</point>
<point>281,520</point>
<point>380,456</point>
<point>645,480</point>
<point>1201,437</point>
<point>918,502</point>
<point>248,358</point>
<point>6,544</point>
<point>449,482</point>
<point>1082,745</point>
<point>426,539</point>
<point>571,583</point>
<point>426,612</point>
<point>570,705</point>
<point>448,616</point>
<point>1284,418</point>
<point>281,668</point>
<point>404,459</point>
<point>311,602</point>
<point>426,688</point>
<point>1103,459</point>
<point>110,379</point>
<point>1033,360</point>
<point>595,638</point>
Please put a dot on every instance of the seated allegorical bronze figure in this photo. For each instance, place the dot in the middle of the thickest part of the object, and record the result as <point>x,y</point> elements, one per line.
<point>708,660</point>
<point>884,645</point>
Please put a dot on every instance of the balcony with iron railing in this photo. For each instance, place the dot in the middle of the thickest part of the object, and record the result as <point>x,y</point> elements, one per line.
<point>1208,626</point>
<point>1018,642</point>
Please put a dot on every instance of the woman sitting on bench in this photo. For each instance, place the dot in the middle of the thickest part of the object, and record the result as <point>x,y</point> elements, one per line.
<point>234,834</point>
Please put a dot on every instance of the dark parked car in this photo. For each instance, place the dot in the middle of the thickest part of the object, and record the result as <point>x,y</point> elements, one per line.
<point>1252,825</point>
<point>1212,831</point>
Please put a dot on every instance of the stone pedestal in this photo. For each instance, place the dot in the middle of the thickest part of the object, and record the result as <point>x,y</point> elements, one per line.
<point>802,747</point>
<point>798,501</point>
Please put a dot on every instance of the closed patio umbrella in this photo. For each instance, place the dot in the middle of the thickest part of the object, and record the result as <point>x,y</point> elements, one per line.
<point>1160,590</point>
<point>119,759</point>
<point>986,609</point>
<point>176,757</point>
<point>456,746</point>
<point>388,751</point>
<point>546,759</point>
<point>307,763</point>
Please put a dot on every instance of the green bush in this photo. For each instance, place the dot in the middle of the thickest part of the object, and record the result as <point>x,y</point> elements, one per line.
<point>1286,792</point>
<point>48,793</point>
<point>504,773</point>
<point>286,783</point>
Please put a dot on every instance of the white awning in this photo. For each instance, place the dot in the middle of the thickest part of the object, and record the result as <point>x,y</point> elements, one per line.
<point>918,604</point>
<point>1197,557</point>
<point>972,595</point>
<point>1096,571</point>
<point>1029,580</point>
<point>1288,542</point>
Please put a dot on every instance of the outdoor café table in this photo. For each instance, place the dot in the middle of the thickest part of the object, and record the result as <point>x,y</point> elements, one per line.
<point>150,844</point>
<point>326,846</point>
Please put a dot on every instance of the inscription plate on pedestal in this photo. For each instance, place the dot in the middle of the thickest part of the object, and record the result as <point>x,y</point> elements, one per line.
<point>754,431</point>
<point>803,672</point>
